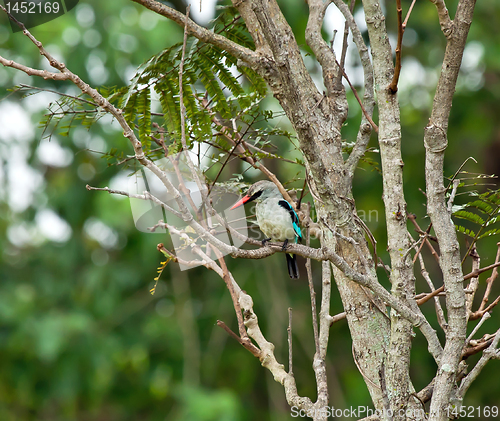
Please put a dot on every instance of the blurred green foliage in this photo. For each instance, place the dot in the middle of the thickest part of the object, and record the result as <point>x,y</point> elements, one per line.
<point>81,338</point>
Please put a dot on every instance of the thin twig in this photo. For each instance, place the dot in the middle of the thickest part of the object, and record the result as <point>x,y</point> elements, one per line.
<point>468,276</point>
<point>302,193</point>
<point>181,88</point>
<point>225,272</point>
<point>444,17</point>
<point>344,46</point>
<point>52,61</point>
<point>182,186</point>
<point>61,94</point>
<point>479,271</point>
<point>485,317</point>
<point>474,282</point>
<point>355,92</point>
<point>233,335</point>
<point>430,295</point>
<point>478,346</point>
<point>478,314</point>
<point>409,13</point>
<point>234,295</point>
<point>190,164</point>
<point>337,317</point>
<point>490,280</point>
<point>470,158</point>
<point>229,155</point>
<point>145,196</point>
<point>245,343</point>
<point>251,58</point>
<point>417,254</point>
<point>187,263</point>
<point>365,128</point>
<point>491,352</point>
<point>437,303</point>
<point>415,246</point>
<point>456,182</point>
<point>393,86</point>
<point>376,386</point>
<point>246,156</point>
<point>313,296</point>
<point>424,294</point>
<point>290,352</point>
<point>433,251</point>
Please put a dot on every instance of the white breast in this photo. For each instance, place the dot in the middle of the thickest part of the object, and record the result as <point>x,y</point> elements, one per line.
<point>274,221</point>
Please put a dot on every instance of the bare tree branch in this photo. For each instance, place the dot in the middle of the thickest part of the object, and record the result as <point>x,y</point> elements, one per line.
<point>366,115</point>
<point>444,17</point>
<point>485,317</point>
<point>290,349</point>
<point>145,196</point>
<point>319,363</point>
<point>252,348</point>
<point>337,317</point>
<point>402,276</point>
<point>474,282</point>
<point>393,87</point>
<point>435,142</point>
<point>313,296</point>
<point>323,53</point>
<point>489,283</point>
<point>249,57</point>
<point>364,132</point>
<point>437,303</point>
<point>491,352</point>
<point>344,44</point>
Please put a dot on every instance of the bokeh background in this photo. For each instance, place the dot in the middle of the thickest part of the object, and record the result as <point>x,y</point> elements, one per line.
<point>82,338</point>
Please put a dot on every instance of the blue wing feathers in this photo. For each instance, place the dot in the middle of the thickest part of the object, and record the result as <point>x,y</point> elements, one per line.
<point>295,219</point>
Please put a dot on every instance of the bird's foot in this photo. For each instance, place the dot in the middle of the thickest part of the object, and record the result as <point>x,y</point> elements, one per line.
<point>265,240</point>
<point>285,244</point>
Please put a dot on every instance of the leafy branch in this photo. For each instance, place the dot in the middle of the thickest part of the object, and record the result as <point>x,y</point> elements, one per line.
<point>484,211</point>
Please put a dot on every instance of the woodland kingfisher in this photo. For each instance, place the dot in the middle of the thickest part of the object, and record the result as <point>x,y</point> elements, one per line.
<point>276,218</point>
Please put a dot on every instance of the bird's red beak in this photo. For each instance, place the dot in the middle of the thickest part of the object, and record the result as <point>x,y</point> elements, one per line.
<point>240,202</point>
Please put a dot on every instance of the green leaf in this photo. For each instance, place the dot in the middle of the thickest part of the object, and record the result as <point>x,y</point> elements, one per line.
<point>465,231</point>
<point>469,216</point>
<point>129,107</point>
<point>144,120</point>
<point>170,104</point>
<point>482,206</point>
<point>489,233</point>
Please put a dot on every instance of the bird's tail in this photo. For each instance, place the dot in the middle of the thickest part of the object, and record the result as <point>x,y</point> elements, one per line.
<point>293,268</point>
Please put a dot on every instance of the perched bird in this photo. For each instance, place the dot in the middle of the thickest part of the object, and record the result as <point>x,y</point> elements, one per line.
<point>276,218</point>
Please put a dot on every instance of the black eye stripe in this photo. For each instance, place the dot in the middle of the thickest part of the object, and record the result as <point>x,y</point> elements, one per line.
<point>255,195</point>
